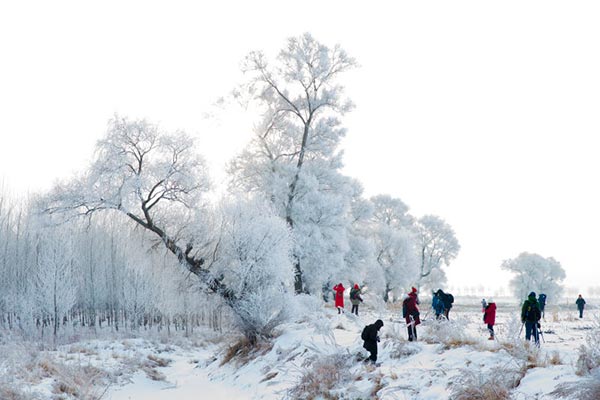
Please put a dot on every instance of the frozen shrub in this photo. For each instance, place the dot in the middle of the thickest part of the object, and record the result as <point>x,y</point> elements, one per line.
<point>305,308</point>
<point>589,353</point>
<point>253,256</point>
<point>395,343</point>
<point>10,392</point>
<point>555,359</point>
<point>476,385</point>
<point>259,313</point>
<point>448,333</point>
<point>322,376</point>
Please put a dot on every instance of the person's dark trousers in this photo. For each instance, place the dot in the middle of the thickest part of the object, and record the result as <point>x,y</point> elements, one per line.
<point>446,312</point>
<point>373,356</point>
<point>491,329</point>
<point>581,313</point>
<point>412,333</point>
<point>531,329</point>
<point>355,309</point>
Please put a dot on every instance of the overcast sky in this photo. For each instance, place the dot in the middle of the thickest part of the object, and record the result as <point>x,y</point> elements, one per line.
<point>484,113</point>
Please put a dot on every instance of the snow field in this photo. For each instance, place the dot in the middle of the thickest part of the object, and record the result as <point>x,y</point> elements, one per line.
<point>317,356</point>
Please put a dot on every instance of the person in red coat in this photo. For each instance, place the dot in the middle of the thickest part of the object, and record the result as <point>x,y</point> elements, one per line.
<point>339,297</point>
<point>489,317</point>
<point>410,312</point>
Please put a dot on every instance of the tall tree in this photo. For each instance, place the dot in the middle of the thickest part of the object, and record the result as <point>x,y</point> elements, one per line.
<point>535,273</point>
<point>156,180</point>
<point>395,244</point>
<point>153,178</point>
<point>55,287</point>
<point>438,246</point>
<point>293,157</point>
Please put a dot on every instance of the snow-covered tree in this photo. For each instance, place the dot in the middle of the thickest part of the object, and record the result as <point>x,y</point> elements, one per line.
<point>293,160</point>
<point>395,244</point>
<point>535,273</point>
<point>253,256</point>
<point>360,258</point>
<point>438,246</point>
<point>154,178</point>
<point>55,288</point>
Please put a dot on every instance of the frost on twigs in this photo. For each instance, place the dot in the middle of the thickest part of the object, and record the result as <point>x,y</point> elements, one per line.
<point>449,333</point>
<point>252,258</point>
<point>589,353</point>
<point>394,342</point>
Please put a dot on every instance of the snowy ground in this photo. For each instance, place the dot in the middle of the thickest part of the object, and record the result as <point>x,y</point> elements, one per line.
<point>309,358</point>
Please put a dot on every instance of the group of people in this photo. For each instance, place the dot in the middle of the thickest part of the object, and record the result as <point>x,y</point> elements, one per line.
<point>355,297</point>
<point>532,312</point>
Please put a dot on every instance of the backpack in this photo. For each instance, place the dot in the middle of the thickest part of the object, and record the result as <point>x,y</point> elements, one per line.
<point>404,308</point>
<point>363,335</point>
<point>353,293</point>
<point>533,313</point>
<point>450,298</point>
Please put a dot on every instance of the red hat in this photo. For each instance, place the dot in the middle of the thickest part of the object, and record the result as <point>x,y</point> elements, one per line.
<point>414,289</point>
<point>356,286</point>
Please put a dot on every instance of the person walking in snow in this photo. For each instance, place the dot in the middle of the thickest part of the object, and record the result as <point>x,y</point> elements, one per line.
<point>530,316</point>
<point>370,335</point>
<point>542,303</point>
<point>410,312</point>
<point>355,298</point>
<point>339,297</point>
<point>447,299</point>
<point>489,317</point>
<point>438,306</point>
<point>580,305</point>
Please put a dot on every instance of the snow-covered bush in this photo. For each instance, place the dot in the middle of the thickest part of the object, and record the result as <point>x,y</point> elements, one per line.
<point>589,353</point>
<point>306,308</point>
<point>449,333</point>
<point>476,385</point>
<point>394,341</point>
<point>324,377</point>
<point>263,310</point>
<point>252,257</point>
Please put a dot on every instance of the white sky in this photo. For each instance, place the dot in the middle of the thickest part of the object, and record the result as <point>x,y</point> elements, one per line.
<point>483,113</point>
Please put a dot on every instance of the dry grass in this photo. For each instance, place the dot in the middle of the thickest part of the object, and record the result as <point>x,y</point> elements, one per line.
<point>78,382</point>
<point>377,386</point>
<point>474,385</point>
<point>12,393</point>
<point>555,359</point>
<point>269,376</point>
<point>150,365</point>
<point>242,351</point>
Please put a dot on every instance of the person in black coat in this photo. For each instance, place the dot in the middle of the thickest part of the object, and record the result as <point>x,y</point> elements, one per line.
<point>447,299</point>
<point>371,337</point>
<point>580,305</point>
